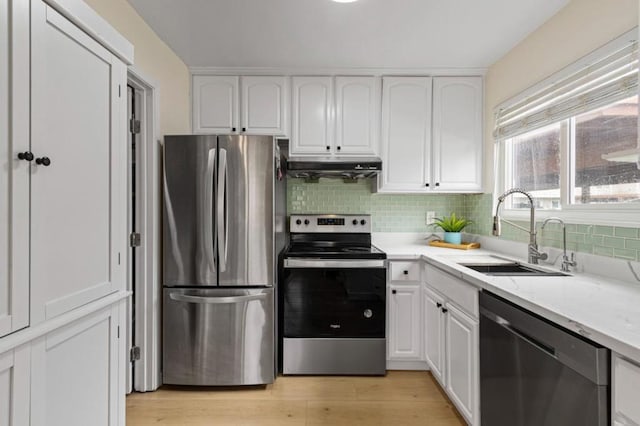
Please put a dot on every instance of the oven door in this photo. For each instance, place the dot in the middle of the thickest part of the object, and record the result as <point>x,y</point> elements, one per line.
<point>334,298</point>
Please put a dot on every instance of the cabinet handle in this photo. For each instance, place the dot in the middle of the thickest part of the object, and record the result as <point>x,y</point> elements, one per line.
<point>328,147</point>
<point>426,184</point>
<point>27,156</point>
<point>445,310</point>
<point>233,129</point>
<point>45,161</point>
<point>437,183</point>
<point>393,291</point>
<point>405,272</point>
<point>438,304</point>
<point>244,129</point>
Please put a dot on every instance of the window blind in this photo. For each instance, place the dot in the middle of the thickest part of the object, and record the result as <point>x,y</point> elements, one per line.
<point>606,80</point>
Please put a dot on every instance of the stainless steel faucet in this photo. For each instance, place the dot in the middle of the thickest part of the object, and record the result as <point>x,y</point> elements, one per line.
<point>534,253</point>
<point>566,263</point>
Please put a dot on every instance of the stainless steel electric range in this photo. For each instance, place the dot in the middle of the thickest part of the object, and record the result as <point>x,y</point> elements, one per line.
<point>332,297</point>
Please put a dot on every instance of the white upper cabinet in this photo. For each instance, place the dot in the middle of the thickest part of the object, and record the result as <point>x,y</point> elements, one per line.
<point>406,133</point>
<point>14,172</point>
<point>264,105</point>
<point>312,121</point>
<point>215,104</point>
<point>256,105</point>
<point>457,133</point>
<point>78,235</point>
<point>431,140</point>
<point>357,112</point>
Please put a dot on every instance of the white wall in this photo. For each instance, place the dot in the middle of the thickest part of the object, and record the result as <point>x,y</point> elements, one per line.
<point>154,59</point>
<point>581,27</point>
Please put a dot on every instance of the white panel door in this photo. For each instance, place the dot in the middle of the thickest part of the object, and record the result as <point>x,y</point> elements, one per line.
<point>14,387</point>
<point>75,373</point>
<point>357,115</point>
<point>406,134</point>
<point>457,133</point>
<point>78,225</point>
<point>14,173</point>
<point>214,104</point>
<point>462,370</point>
<point>312,115</point>
<point>626,384</point>
<point>434,336</point>
<point>404,337</point>
<point>265,102</point>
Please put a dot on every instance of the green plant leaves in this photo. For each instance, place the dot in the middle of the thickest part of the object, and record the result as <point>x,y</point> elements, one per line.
<point>452,223</point>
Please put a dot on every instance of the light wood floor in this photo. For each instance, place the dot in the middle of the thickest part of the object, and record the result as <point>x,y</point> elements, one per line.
<point>400,398</point>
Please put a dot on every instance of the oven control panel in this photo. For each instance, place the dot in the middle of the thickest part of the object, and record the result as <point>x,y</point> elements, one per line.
<point>330,223</point>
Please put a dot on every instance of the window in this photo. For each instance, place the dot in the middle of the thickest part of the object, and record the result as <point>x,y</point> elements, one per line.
<point>572,141</point>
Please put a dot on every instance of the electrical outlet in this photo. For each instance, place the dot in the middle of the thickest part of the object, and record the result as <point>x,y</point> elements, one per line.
<point>431,216</point>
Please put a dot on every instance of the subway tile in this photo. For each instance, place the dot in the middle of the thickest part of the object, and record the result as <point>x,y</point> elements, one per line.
<point>625,254</point>
<point>603,251</point>
<point>626,232</point>
<point>603,230</point>
<point>613,242</point>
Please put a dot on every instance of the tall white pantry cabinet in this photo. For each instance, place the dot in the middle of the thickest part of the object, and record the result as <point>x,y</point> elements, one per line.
<point>62,215</point>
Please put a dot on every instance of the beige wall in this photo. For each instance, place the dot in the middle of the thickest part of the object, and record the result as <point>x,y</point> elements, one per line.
<point>153,58</point>
<point>579,28</point>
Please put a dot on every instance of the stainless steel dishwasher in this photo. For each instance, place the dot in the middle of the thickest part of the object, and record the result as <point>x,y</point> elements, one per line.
<point>535,373</point>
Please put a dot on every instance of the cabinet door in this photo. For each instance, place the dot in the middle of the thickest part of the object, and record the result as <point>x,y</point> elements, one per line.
<point>462,362</point>
<point>78,201</point>
<point>312,123</point>
<point>406,134</point>
<point>357,112</point>
<point>264,105</point>
<point>75,373</point>
<point>214,104</point>
<point>457,133</point>
<point>626,382</point>
<point>14,173</point>
<point>14,387</point>
<point>434,326</point>
<point>405,335</point>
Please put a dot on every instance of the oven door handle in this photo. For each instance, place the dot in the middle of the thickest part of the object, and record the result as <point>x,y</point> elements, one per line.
<point>326,263</point>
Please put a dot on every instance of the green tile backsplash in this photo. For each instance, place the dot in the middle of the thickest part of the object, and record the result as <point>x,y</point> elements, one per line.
<point>407,213</point>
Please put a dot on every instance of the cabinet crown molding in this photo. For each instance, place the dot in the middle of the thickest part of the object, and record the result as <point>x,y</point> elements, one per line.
<point>337,71</point>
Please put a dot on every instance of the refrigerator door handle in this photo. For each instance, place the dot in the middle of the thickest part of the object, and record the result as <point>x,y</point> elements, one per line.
<point>216,300</point>
<point>210,241</point>
<point>222,210</point>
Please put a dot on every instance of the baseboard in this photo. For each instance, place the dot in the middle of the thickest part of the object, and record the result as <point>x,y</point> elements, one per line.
<point>407,365</point>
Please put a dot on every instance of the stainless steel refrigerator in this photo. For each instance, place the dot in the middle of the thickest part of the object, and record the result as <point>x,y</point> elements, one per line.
<point>219,259</point>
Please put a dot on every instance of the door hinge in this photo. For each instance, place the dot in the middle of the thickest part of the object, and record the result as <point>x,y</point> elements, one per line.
<point>135,239</point>
<point>134,126</point>
<point>134,353</point>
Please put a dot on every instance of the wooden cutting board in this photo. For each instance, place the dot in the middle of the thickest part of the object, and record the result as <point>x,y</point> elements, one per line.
<point>461,246</point>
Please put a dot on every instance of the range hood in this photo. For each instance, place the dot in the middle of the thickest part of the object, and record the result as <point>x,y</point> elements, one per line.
<point>331,167</point>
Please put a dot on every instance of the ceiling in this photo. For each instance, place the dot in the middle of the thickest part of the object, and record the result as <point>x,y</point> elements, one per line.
<point>324,34</point>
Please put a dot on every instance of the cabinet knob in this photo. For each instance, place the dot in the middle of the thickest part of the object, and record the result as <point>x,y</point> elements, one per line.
<point>405,272</point>
<point>45,161</point>
<point>27,156</point>
<point>393,291</point>
<point>244,129</point>
<point>426,184</point>
<point>437,183</point>
<point>439,305</point>
<point>328,147</point>
<point>338,148</point>
<point>233,129</point>
<point>445,310</point>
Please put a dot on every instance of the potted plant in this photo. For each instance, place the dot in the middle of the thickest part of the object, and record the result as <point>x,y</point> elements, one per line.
<point>452,226</point>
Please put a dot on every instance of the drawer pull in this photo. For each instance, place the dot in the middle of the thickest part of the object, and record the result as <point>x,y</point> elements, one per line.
<point>393,291</point>
<point>405,272</point>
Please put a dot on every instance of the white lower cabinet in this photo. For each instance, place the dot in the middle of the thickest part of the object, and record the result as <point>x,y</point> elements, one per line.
<point>75,373</point>
<point>452,348</point>
<point>14,387</point>
<point>626,383</point>
<point>405,331</point>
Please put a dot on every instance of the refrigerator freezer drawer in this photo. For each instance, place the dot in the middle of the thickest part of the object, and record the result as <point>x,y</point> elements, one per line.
<point>218,337</point>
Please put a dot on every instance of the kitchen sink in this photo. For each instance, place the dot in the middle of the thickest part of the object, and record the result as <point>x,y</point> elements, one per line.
<point>512,269</point>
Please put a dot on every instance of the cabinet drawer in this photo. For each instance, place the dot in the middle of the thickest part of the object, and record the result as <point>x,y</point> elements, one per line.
<point>626,410</point>
<point>404,271</point>
<point>457,291</point>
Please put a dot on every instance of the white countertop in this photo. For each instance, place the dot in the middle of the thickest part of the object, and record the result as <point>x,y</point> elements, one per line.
<point>605,310</point>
